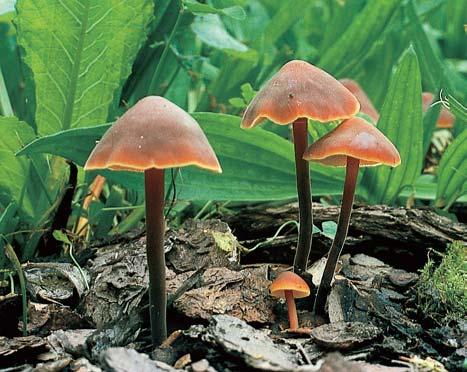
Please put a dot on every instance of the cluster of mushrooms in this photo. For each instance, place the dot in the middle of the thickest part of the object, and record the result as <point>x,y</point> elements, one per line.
<point>155,134</point>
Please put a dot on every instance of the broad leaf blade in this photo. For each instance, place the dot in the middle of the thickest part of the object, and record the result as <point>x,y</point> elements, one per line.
<point>257,164</point>
<point>452,172</point>
<point>13,171</point>
<point>79,52</point>
<point>401,122</point>
<point>359,37</point>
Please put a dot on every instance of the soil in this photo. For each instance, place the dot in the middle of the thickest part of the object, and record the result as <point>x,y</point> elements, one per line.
<point>221,316</point>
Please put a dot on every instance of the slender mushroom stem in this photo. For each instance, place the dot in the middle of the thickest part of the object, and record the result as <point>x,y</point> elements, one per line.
<point>293,319</point>
<point>300,136</point>
<point>341,233</point>
<point>155,226</point>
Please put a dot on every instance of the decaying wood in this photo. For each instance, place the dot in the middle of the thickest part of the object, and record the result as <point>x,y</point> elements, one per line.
<point>376,228</point>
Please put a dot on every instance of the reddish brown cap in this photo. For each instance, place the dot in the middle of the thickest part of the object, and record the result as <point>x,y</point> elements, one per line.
<point>366,106</point>
<point>445,119</point>
<point>154,133</point>
<point>356,138</point>
<point>300,89</point>
<point>288,281</point>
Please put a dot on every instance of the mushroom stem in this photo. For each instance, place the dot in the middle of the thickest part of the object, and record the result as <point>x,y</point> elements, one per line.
<point>300,136</point>
<point>155,227</point>
<point>341,234</point>
<point>293,319</point>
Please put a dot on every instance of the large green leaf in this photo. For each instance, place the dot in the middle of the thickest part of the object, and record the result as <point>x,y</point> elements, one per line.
<point>210,29</point>
<point>79,52</point>
<point>233,71</point>
<point>452,172</point>
<point>257,164</point>
<point>13,171</point>
<point>359,37</point>
<point>401,122</point>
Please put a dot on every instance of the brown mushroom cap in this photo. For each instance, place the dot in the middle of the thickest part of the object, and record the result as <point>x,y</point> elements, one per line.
<point>356,138</point>
<point>445,119</point>
<point>366,106</point>
<point>154,133</point>
<point>300,89</point>
<point>289,281</point>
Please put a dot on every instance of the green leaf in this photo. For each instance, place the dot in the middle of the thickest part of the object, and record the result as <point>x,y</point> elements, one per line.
<point>401,122</point>
<point>452,172</point>
<point>79,53</point>
<point>359,37</point>
<point>456,11</point>
<point>210,29</point>
<point>13,171</point>
<point>235,72</point>
<point>235,12</point>
<point>257,164</point>
<point>61,236</point>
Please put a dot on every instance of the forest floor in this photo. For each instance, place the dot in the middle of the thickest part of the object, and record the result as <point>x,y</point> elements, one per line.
<point>221,316</point>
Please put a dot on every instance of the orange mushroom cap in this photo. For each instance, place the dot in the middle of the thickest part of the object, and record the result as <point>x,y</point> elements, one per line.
<point>356,138</point>
<point>366,106</point>
<point>298,90</point>
<point>445,119</point>
<point>289,281</point>
<point>154,133</point>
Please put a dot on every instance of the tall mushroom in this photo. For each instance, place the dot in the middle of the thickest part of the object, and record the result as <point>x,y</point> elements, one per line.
<point>366,106</point>
<point>301,91</point>
<point>153,135</point>
<point>352,144</point>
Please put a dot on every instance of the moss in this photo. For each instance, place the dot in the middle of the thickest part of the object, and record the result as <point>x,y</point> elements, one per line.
<point>442,290</point>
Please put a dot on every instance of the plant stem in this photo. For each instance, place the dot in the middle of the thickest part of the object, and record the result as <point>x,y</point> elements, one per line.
<point>155,227</point>
<point>155,77</point>
<point>293,318</point>
<point>300,136</point>
<point>341,233</point>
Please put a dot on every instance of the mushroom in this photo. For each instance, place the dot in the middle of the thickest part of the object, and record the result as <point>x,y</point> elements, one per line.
<point>352,144</point>
<point>290,286</point>
<point>301,91</point>
<point>445,119</point>
<point>153,135</point>
<point>366,106</point>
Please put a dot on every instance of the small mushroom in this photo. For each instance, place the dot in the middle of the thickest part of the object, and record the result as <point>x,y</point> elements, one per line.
<point>352,144</point>
<point>301,91</point>
<point>153,135</point>
<point>366,106</point>
<point>445,119</point>
<point>290,286</point>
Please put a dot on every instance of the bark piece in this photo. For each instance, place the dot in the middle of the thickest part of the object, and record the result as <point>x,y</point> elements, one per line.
<point>18,350</point>
<point>243,294</point>
<point>45,318</point>
<point>203,244</point>
<point>53,366</point>
<point>71,341</point>
<point>119,359</point>
<point>239,340</point>
<point>345,335</point>
<point>402,278</point>
<point>119,272</point>
<point>84,365</point>
<point>394,231</point>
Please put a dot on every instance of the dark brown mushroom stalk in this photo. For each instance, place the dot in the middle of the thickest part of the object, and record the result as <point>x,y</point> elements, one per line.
<point>153,135</point>
<point>352,144</point>
<point>298,92</point>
